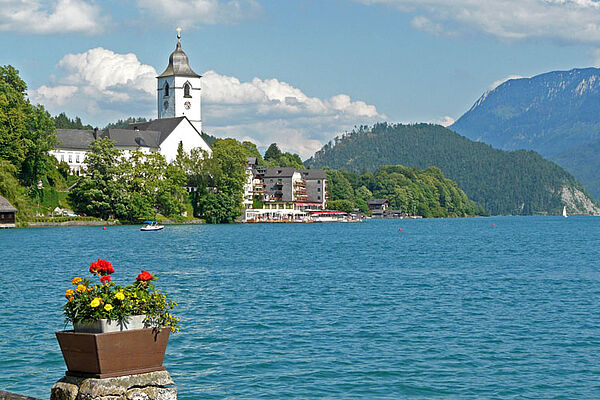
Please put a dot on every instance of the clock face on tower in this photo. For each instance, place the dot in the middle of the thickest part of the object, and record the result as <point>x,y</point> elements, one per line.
<point>166,104</point>
<point>187,105</point>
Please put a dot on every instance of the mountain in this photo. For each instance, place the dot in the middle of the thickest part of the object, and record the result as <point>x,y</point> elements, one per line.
<point>503,182</point>
<point>556,114</point>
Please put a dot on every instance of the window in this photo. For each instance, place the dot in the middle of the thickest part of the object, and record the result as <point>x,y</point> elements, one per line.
<point>70,158</point>
<point>62,157</point>
<point>318,189</point>
<point>319,182</point>
<point>318,197</point>
<point>166,89</point>
<point>77,158</point>
<point>186,90</point>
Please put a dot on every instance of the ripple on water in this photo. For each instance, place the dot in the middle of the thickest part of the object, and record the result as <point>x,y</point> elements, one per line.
<point>450,308</point>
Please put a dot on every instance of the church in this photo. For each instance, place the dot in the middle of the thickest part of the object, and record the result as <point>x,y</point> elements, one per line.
<point>179,120</point>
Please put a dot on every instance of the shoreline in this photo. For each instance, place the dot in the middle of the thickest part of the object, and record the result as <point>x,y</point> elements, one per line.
<point>99,223</point>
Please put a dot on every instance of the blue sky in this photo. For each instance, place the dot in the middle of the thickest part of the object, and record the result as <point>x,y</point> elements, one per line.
<point>292,72</point>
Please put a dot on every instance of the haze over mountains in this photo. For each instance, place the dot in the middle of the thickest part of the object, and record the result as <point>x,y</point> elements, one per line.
<point>556,114</point>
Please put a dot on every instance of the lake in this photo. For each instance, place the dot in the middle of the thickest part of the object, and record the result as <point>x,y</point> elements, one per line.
<point>501,307</point>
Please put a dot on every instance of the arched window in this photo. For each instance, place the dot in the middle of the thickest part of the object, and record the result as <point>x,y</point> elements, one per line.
<point>186,90</point>
<point>166,89</point>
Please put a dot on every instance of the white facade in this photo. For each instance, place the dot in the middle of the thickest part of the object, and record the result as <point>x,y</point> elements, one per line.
<point>74,157</point>
<point>187,134</point>
<point>179,96</point>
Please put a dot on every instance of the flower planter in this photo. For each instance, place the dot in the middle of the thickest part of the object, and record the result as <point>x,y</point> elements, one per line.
<point>106,325</point>
<point>107,355</point>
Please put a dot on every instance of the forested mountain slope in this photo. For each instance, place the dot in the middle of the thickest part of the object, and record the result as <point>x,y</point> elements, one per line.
<point>518,182</point>
<point>556,114</point>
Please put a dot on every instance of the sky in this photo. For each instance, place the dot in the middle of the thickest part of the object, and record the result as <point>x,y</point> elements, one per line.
<point>294,72</point>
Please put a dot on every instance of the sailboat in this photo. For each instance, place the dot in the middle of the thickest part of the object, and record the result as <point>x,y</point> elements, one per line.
<point>565,212</point>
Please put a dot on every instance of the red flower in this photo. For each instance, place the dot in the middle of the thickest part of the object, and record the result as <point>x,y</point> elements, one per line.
<point>144,276</point>
<point>101,267</point>
<point>105,279</point>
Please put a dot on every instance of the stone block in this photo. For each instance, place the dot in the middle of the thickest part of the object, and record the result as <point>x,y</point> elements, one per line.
<point>151,386</point>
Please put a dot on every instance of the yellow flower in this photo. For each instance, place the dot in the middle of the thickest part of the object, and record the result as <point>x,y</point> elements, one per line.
<point>96,302</point>
<point>76,281</point>
<point>81,288</point>
<point>108,307</point>
<point>90,289</point>
<point>120,296</point>
<point>69,293</point>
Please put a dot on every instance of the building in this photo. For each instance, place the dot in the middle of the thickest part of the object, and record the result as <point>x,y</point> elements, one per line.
<point>378,207</point>
<point>285,193</point>
<point>179,120</point>
<point>316,188</point>
<point>7,214</point>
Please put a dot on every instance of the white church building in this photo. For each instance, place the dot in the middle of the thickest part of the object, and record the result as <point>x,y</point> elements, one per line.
<point>179,120</point>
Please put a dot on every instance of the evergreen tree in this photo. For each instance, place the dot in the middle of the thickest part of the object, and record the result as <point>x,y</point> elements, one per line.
<point>273,153</point>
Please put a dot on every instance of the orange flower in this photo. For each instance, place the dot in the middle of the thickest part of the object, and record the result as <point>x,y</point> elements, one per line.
<point>76,281</point>
<point>81,288</point>
<point>69,293</point>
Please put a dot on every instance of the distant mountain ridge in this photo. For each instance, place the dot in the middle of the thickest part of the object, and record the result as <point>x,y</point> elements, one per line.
<point>518,183</point>
<point>556,114</point>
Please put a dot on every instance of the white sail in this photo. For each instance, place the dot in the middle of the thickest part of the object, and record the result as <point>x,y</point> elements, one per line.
<point>565,211</point>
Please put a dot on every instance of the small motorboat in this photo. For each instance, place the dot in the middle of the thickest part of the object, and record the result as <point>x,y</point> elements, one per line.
<point>151,226</point>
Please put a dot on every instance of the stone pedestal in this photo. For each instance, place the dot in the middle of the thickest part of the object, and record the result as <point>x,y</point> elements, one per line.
<point>152,386</point>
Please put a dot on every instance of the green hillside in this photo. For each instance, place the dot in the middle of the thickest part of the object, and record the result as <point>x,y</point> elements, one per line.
<point>503,182</point>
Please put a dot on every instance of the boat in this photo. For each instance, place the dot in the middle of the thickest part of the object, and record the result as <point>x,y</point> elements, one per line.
<point>151,226</point>
<point>565,212</point>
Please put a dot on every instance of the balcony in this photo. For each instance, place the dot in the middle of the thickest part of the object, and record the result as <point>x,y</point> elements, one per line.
<point>300,184</point>
<point>258,190</point>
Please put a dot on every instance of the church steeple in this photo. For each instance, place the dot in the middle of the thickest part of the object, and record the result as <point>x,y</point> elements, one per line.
<point>179,64</point>
<point>179,88</point>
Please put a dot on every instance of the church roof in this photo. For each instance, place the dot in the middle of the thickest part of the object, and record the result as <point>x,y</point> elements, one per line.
<point>74,138</point>
<point>133,138</point>
<point>179,64</point>
<point>163,125</point>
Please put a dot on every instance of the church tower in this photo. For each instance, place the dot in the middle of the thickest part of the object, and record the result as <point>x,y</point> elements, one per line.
<point>178,92</point>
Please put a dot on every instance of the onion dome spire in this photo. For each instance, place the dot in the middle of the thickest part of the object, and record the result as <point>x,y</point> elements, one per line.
<point>179,64</point>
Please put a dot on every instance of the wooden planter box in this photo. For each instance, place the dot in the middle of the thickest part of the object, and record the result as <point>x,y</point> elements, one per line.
<point>107,355</point>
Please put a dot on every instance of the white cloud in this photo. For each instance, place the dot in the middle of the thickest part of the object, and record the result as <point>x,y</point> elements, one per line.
<point>446,120</point>
<point>101,86</point>
<point>499,82</point>
<point>189,13</point>
<point>59,16</point>
<point>426,25</point>
<point>564,20</point>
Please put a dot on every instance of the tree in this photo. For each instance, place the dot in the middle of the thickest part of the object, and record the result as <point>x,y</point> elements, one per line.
<point>12,190</point>
<point>103,192</point>
<point>339,186</point>
<point>341,205</point>
<point>61,121</point>
<point>27,132</point>
<point>273,153</point>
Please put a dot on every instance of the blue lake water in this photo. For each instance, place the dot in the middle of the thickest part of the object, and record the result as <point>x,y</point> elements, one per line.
<point>503,307</point>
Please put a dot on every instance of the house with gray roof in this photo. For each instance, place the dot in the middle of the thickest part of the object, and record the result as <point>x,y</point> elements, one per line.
<point>7,214</point>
